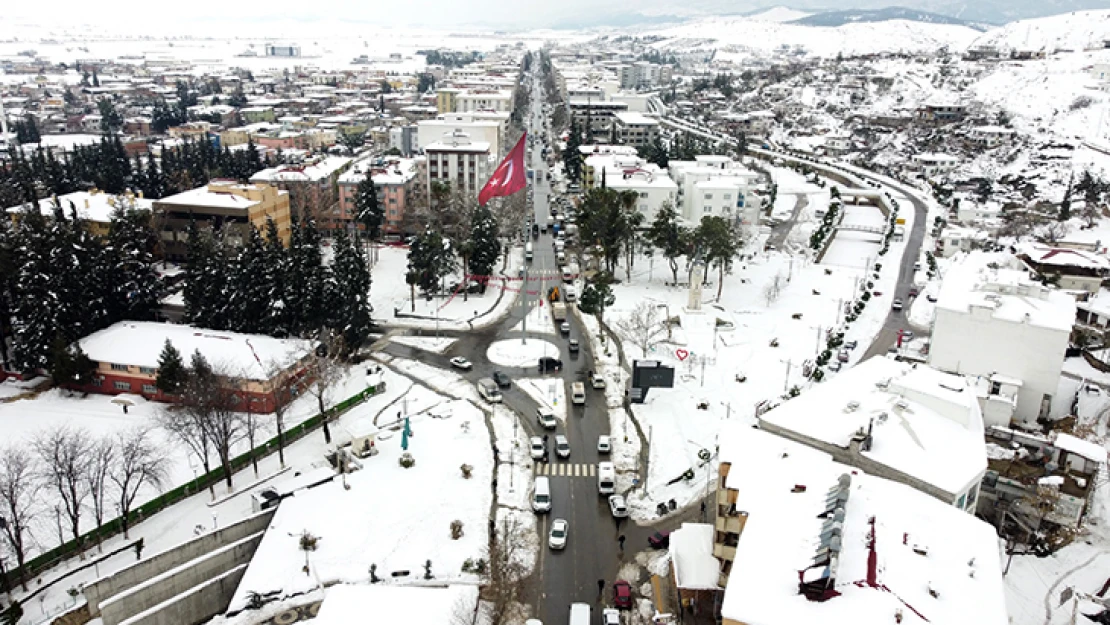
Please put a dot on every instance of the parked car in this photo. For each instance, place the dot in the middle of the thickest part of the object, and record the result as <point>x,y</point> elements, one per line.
<point>610,616</point>
<point>843,356</point>
<point>546,418</point>
<point>604,445</point>
<point>557,538</point>
<point>573,346</point>
<point>835,365</point>
<point>502,380</point>
<point>617,506</point>
<point>914,291</point>
<point>562,447</point>
<point>659,540</point>
<point>461,363</point>
<point>597,380</point>
<point>852,344</point>
<point>622,594</point>
<point>907,336</point>
<point>547,363</point>
<point>537,448</point>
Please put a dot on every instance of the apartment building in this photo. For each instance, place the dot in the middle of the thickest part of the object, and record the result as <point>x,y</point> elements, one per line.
<point>458,161</point>
<point>225,208</point>
<point>312,185</point>
<point>715,186</point>
<point>398,185</point>
<point>635,129</point>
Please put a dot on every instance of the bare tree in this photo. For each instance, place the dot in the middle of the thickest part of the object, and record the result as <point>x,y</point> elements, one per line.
<point>324,372</point>
<point>1053,231</point>
<point>283,396</point>
<point>773,289</point>
<point>644,327</point>
<point>185,426</point>
<point>210,396</point>
<point>19,487</point>
<point>65,454</point>
<point>102,457</point>
<point>138,462</point>
<point>509,556</point>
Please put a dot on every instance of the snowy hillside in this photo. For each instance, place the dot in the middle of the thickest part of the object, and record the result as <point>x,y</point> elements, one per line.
<point>1069,31</point>
<point>779,15</point>
<point>748,33</point>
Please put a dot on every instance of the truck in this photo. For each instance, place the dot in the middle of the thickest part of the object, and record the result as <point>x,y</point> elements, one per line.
<point>489,390</point>
<point>559,311</point>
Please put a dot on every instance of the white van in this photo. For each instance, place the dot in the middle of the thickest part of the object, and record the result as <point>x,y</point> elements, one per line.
<point>606,478</point>
<point>489,390</point>
<point>580,614</point>
<point>528,251</point>
<point>578,394</point>
<point>541,495</point>
<point>561,258</point>
<point>569,292</point>
<point>568,274</point>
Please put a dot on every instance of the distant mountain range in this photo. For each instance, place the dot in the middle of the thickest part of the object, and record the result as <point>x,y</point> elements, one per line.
<point>840,18</point>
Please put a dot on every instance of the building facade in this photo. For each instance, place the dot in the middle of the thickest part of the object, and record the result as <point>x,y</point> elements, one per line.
<point>226,209</point>
<point>459,162</point>
<point>398,186</point>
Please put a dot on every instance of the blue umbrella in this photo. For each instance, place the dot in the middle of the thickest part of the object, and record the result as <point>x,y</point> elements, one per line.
<point>405,435</point>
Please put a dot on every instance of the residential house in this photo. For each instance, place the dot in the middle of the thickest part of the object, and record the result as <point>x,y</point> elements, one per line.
<point>929,165</point>
<point>993,320</point>
<point>727,189</point>
<point>941,113</point>
<point>94,208</point>
<point>458,161</point>
<point>398,186</point>
<point>1072,269</point>
<point>312,185</point>
<point>224,208</point>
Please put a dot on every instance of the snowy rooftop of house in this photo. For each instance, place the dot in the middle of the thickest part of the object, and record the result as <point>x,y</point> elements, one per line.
<point>1099,303</point>
<point>457,142</point>
<point>387,603</point>
<point>139,343</point>
<point>62,142</point>
<point>914,544</point>
<point>312,172</point>
<point>935,157</point>
<point>691,550</point>
<point>647,176</point>
<point>635,119</point>
<point>96,207</point>
<point>924,423</point>
<point>990,281</point>
<point>1087,449</point>
<point>1062,256</point>
<point>211,196</point>
<point>607,150</point>
<point>389,171</point>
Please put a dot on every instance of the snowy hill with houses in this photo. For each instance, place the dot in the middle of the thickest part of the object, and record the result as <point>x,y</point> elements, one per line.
<point>1079,30</point>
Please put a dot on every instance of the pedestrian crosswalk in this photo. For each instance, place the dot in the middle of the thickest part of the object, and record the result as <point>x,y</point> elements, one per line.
<point>566,469</point>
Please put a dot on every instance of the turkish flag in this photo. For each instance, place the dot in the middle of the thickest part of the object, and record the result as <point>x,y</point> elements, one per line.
<point>509,177</point>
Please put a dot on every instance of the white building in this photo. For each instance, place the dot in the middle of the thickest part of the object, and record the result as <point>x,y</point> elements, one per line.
<point>622,170</point>
<point>715,186</point>
<point>484,100</point>
<point>929,165</point>
<point>432,130</point>
<point>995,323</point>
<point>954,240</point>
<point>457,160</point>
<point>989,137</point>
<point>804,539</point>
<point>635,129</point>
<point>1072,269</point>
<point>911,424</point>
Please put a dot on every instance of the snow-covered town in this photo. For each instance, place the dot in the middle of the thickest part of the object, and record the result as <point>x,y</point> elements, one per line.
<point>322,319</point>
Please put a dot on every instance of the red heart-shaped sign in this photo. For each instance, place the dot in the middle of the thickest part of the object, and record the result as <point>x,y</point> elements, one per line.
<point>682,354</point>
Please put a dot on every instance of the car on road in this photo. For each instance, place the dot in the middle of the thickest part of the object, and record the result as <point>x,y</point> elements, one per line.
<point>610,616</point>
<point>564,328</point>
<point>843,356</point>
<point>897,305</point>
<point>459,362</point>
<point>501,379</point>
<point>617,506</point>
<point>546,418</point>
<point>562,447</point>
<point>835,365</point>
<point>547,363</point>
<point>557,538</point>
<point>907,336</point>
<point>573,346</point>
<point>622,594</point>
<point>597,380</point>
<point>536,448</point>
<point>659,540</point>
<point>604,445</point>
<point>914,291</point>
<point>852,344</point>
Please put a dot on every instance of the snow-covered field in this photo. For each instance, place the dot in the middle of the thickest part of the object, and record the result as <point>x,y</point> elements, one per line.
<point>517,353</point>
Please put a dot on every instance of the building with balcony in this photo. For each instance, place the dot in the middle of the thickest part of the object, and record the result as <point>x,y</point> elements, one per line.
<point>595,118</point>
<point>432,130</point>
<point>459,162</point>
<point>226,209</point>
<point>398,185</point>
<point>635,129</point>
<point>715,186</point>
<point>312,185</point>
<point>252,367</point>
<point>1068,268</point>
<point>803,539</point>
<point>499,100</point>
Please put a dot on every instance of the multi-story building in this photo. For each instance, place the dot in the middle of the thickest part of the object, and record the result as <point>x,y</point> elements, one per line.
<point>804,539</point>
<point>635,129</point>
<point>94,208</point>
<point>312,185</point>
<point>459,162</point>
<point>397,183</point>
<point>499,100</point>
<point>226,209</point>
<point>715,186</point>
<point>995,323</point>
<point>595,118</point>
<point>432,130</point>
<point>253,368</point>
<point>445,99</point>
<point>1070,269</point>
<point>643,75</point>
<point>404,139</point>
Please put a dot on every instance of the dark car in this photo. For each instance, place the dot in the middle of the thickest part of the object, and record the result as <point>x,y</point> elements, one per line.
<point>659,540</point>
<point>547,363</point>
<point>573,347</point>
<point>622,594</point>
<point>501,379</point>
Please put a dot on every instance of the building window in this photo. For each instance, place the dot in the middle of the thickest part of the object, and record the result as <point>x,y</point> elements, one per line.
<point>116,367</point>
<point>121,386</point>
<point>643,193</point>
<point>708,209</point>
<point>960,502</point>
<point>972,495</point>
<point>728,196</point>
<point>709,196</point>
<point>147,370</point>
<point>150,389</point>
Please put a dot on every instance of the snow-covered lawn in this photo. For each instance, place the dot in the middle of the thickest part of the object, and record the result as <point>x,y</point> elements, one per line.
<point>515,353</point>
<point>426,343</point>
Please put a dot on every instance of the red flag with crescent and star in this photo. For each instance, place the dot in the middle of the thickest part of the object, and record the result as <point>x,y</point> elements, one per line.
<point>509,177</point>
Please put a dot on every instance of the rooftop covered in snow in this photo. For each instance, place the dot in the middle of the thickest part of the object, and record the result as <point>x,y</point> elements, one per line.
<point>998,284</point>
<point>923,423</point>
<point>900,552</point>
<point>691,549</point>
<point>91,206</point>
<point>315,171</point>
<point>387,603</point>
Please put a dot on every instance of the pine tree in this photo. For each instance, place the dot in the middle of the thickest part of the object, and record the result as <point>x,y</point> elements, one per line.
<point>276,319</point>
<point>198,292</point>
<point>61,362</point>
<point>368,210</point>
<point>572,156</point>
<point>350,292</point>
<point>131,246</point>
<point>155,187</point>
<point>35,295</point>
<point>484,244</point>
<point>171,370</point>
<point>667,235</point>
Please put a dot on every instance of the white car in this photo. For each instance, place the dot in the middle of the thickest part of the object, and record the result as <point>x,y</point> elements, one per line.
<point>557,538</point>
<point>546,418</point>
<point>562,447</point>
<point>617,506</point>
<point>537,448</point>
<point>610,616</point>
<point>897,305</point>
<point>604,445</point>
<point>461,363</point>
<point>597,380</point>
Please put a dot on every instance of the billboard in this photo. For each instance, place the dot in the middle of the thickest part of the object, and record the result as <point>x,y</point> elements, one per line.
<point>648,374</point>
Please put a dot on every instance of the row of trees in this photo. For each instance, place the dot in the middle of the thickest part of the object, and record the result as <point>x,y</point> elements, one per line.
<point>60,283</point>
<point>462,231</point>
<point>263,287</point>
<point>85,474</point>
<point>106,166</point>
